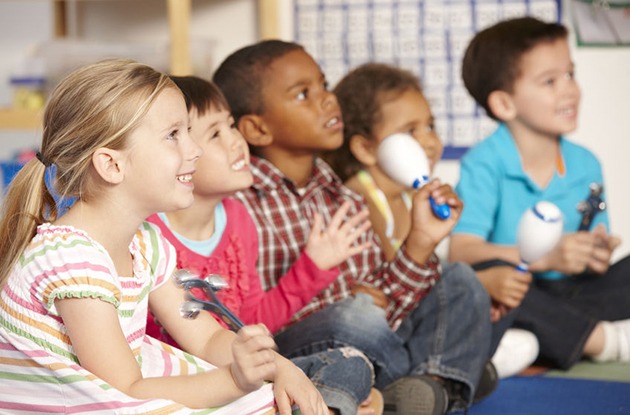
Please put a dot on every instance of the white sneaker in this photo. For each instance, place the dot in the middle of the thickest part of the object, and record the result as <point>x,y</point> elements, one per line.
<point>623,333</point>
<point>517,350</point>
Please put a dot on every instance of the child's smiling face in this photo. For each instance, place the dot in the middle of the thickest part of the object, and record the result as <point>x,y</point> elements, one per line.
<point>409,112</point>
<point>161,157</point>
<point>545,95</point>
<point>223,168</point>
<point>302,115</point>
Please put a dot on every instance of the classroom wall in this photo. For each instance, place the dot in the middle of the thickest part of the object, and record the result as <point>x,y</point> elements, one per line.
<point>221,26</point>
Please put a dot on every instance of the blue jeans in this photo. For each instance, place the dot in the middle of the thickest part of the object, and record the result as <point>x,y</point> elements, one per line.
<point>343,376</point>
<point>448,334</point>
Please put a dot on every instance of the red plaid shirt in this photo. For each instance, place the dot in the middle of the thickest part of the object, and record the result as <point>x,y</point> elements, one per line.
<point>283,216</point>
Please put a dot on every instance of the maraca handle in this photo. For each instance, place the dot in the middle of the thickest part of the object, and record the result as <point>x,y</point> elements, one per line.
<point>441,211</point>
<point>522,267</point>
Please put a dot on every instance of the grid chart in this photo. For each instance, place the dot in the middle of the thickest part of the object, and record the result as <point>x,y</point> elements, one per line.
<point>427,37</point>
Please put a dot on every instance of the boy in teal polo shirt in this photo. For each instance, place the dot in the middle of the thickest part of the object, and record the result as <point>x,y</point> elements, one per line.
<point>520,71</point>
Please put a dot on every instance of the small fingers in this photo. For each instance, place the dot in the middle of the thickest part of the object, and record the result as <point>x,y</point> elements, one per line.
<point>339,216</point>
<point>283,403</point>
<point>318,222</point>
<point>355,232</point>
<point>357,249</point>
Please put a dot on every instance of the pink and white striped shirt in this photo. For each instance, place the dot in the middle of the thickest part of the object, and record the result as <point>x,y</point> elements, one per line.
<point>39,371</point>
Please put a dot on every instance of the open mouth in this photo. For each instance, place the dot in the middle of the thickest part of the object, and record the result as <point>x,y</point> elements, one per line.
<point>239,164</point>
<point>184,178</point>
<point>567,111</point>
<point>332,122</point>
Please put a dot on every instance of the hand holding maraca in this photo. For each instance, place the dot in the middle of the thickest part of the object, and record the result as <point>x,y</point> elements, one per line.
<point>402,158</point>
<point>539,231</point>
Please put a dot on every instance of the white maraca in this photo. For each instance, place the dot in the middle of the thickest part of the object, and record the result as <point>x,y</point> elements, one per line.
<point>402,158</point>
<point>539,230</point>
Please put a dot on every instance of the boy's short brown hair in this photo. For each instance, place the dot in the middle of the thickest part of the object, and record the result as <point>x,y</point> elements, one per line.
<point>491,61</point>
<point>200,94</point>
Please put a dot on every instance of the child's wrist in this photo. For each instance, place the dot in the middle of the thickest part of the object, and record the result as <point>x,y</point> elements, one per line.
<point>420,247</point>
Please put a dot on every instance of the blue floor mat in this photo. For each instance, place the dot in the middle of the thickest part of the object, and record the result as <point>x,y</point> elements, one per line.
<point>539,395</point>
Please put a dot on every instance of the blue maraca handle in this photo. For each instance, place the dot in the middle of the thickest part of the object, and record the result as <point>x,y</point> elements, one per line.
<point>442,211</point>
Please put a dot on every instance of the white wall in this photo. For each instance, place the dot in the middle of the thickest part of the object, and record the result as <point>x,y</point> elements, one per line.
<point>225,25</point>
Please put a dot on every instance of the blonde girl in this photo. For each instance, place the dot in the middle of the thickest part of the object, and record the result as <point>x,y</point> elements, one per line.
<point>76,289</point>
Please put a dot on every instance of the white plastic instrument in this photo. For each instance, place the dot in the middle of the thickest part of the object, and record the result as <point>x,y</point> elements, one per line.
<point>539,230</point>
<point>402,158</point>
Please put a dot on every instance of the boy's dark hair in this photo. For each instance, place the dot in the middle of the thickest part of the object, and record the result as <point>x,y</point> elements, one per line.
<point>200,94</point>
<point>491,61</point>
<point>240,75</point>
<point>361,94</point>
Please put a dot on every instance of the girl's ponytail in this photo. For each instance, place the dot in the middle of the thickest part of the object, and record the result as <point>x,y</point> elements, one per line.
<point>27,204</point>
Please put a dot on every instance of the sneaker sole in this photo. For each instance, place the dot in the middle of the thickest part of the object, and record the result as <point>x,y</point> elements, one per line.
<point>415,395</point>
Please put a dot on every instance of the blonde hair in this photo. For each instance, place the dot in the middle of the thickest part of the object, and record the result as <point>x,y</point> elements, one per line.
<point>95,106</point>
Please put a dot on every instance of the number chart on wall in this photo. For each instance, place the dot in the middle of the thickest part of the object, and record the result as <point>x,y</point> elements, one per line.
<point>427,37</point>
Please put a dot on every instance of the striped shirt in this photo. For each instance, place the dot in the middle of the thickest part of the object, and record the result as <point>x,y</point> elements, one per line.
<point>284,215</point>
<point>39,370</point>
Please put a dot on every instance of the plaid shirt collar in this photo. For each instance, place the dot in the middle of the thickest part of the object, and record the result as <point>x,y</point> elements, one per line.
<point>268,178</point>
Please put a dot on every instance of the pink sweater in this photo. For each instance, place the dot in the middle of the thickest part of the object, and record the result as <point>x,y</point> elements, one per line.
<point>235,260</point>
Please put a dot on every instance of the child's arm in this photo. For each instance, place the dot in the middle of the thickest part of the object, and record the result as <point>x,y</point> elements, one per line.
<point>505,284</point>
<point>101,347</point>
<point>415,269</point>
<point>313,271</point>
<point>244,360</point>
<point>249,355</point>
<point>575,253</point>
<point>580,251</point>
<point>473,249</point>
<point>427,231</point>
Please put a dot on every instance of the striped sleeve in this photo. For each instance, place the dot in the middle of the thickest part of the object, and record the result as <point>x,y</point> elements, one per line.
<point>158,253</point>
<point>70,265</point>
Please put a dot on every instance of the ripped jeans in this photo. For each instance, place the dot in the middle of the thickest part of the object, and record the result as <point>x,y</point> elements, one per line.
<point>343,376</point>
<point>448,334</point>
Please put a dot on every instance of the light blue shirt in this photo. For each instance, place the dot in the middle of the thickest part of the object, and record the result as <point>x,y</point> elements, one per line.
<point>496,191</point>
<point>208,246</point>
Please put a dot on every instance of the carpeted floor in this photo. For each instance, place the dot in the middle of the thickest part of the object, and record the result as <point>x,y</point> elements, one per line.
<point>586,389</point>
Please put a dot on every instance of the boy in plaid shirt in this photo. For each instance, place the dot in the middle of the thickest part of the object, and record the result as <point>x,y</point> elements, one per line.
<point>399,313</point>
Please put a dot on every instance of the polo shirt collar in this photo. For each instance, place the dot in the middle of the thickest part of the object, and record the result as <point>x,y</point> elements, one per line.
<point>506,146</point>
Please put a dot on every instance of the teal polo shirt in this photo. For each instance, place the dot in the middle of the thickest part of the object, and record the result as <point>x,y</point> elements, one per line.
<point>496,191</point>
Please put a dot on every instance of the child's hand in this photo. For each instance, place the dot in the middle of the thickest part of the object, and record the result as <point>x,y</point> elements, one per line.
<point>330,247</point>
<point>497,311</point>
<point>254,357</point>
<point>505,284</point>
<point>426,229</point>
<point>573,255</point>
<point>602,252</point>
<point>378,297</point>
<point>292,386</point>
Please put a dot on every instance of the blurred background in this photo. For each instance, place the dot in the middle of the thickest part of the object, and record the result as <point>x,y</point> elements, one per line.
<point>42,40</point>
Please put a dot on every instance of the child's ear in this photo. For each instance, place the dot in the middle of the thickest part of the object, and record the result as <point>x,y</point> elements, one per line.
<point>254,130</point>
<point>108,165</point>
<point>363,149</point>
<point>501,105</point>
